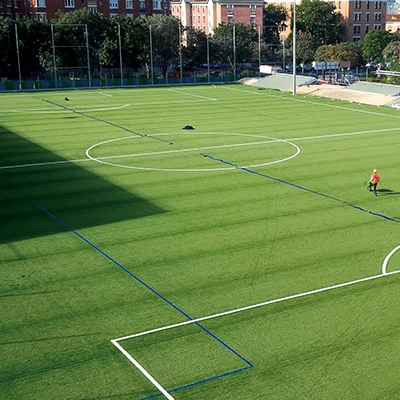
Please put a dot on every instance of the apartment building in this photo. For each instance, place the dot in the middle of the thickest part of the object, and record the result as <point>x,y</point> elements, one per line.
<point>361,16</point>
<point>47,9</point>
<point>206,15</point>
<point>393,16</point>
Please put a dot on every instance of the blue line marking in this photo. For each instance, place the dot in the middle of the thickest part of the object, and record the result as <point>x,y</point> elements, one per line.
<point>102,120</point>
<point>249,364</point>
<point>302,188</point>
<point>198,382</point>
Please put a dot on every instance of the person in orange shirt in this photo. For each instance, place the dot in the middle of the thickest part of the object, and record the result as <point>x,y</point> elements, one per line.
<point>375,178</point>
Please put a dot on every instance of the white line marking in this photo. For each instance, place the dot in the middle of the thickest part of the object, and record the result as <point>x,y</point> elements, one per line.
<point>142,370</point>
<point>314,103</point>
<point>52,111</point>
<point>272,140</point>
<point>105,94</point>
<point>202,133</point>
<point>43,163</point>
<point>265,303</point>
<point>386,260</point>
<point>191,94</point>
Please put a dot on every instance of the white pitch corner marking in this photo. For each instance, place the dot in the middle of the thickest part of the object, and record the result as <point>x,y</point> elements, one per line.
<point>141,369</point>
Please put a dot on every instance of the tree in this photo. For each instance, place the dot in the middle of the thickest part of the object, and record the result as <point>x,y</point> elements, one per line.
<point>374,44</point>
<point>319,19</point>
<point>391,53</point>
<point>246,39</point>
<point>133,37</point>
<point>8,55</point>
<point>195,49</point>
<point>305,48</point>
<point>34,39</point>
<point>274,17</point>
<point>165,40</point>
<point>70,36</point>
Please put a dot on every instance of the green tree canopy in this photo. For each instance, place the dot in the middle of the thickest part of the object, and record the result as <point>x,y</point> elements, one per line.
<point>165,40</point>
<point>319,19</point>
<point>274,17</point>
<point>374,44</point>
<point>70,37</point>
<point>246,40</point>
<point>134,38</point>
<point>195,49</point>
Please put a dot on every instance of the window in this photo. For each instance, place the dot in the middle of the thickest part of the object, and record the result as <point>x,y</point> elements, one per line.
<point>40,3</point>
<point>69,3</point>
<point>230,20</point>
<point>377,27</point>
<point>93,9</point>
<point>252,20</point>
<point>157,5</point>
<point>252,9</point>
<point>129,3</point>
<point>113,3</point>
<point>142,5</point>
<point>367,5</point>
<point>367,16</point>
<point>40,16</point>
<point>366,28</point>
<point>377,16</point>
<point>357,4</point>
<point>357,17</point>
<point>230,8</point>
<point>357,29</point>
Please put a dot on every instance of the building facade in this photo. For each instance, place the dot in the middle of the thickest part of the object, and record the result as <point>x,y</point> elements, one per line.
<point>393,16</point>
<point>47,9</point>
<point>361,17</point>
<point>206,15</point>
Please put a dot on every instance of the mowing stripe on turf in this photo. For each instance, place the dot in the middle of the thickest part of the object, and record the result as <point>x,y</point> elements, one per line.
<point>293,98</point>
<point>114,341</point>
<point>246,169</point>
<point>102,120</point>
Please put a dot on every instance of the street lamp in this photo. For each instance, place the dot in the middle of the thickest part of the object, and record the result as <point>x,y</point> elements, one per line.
<point>283,37</point>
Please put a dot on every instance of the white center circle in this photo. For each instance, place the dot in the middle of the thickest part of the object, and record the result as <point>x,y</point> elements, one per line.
<point>200,151</point>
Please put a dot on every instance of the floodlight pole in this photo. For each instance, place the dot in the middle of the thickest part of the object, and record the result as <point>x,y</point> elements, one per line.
<point>88,55</point>
<point>259,50</point>
<point>294,47</point>
<point>180,53</point>
<point>208,58</point>
<point>151,54</point>
<point>120,54</point>
<point>234,52</point>
<point>19,62</point>
<point>54,56</point>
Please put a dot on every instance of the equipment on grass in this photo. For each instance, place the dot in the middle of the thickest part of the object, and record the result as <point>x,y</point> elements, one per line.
<point>368,184</point>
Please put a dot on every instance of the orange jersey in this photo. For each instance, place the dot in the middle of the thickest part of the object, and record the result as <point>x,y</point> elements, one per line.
<point>374,178</point>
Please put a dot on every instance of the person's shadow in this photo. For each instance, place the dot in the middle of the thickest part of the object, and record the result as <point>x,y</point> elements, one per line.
<point>386,192</point>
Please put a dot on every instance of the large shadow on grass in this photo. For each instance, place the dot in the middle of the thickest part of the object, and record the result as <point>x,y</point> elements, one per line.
<point>67,190</point>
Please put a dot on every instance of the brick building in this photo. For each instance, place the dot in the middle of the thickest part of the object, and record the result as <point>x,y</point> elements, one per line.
<point>47,9</point>
<point>206,15</point>
<point>360,16</point>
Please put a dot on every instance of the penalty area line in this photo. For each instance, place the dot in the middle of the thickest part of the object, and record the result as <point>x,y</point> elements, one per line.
<point>142,370</point>
<point>265,303</point>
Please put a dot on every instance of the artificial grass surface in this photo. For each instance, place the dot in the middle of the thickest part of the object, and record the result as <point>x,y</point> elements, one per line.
<point>80,239</point>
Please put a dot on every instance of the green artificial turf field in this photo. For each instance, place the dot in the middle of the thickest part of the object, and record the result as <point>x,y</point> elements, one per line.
<point>116,221</point>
